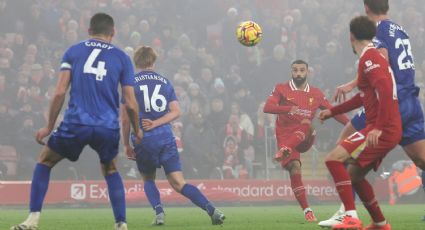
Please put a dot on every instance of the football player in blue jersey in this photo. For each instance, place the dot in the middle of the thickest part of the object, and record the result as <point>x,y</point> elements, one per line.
<point>393,42</point>
<point>92,69</point>
<point>158,106</point>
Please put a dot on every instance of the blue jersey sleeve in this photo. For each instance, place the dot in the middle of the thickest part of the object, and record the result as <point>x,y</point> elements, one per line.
<point>171,94</point>
<point>66,63</point>
<point>127,75</point>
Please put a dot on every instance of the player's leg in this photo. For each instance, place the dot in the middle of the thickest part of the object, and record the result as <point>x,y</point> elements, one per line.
<point>363,159</point>
<point>290,142</point>
<point>336,218</point>
<point>153,195</point>
<point>416,152</point>
<point>65,142</point>
<point>346,131</point>
<point>413,140</point>
<point>172,168</point>
<point>294,169</point>
<point>335,162</point>
<point>116,192</point>
<point>105,142</point>
<point>39,185</point>
<point>365,192</point>
<point>356,123</point>
<point>148,160</point>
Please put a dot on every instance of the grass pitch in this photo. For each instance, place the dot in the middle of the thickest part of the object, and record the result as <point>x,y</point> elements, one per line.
<point>245,218</point>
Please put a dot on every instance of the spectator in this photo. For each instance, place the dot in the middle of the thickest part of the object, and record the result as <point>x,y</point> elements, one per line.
<point>201,148</point>
<point>232,169</point>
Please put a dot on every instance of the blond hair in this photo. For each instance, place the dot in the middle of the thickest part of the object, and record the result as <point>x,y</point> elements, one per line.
<point>144,57</point>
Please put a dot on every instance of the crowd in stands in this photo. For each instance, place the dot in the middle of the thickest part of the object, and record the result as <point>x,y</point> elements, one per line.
<point>221,85</point>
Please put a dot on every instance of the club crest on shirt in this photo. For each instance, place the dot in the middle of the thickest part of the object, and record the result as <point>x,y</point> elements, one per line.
<point>310,100</point>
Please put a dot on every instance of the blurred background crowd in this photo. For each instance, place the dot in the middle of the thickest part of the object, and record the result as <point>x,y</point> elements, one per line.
<point>221,85</point>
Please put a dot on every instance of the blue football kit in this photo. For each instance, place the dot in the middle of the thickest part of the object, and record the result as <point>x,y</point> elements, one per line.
<point>392,37</point>
<point>158,147</point>
<point>92,116</point>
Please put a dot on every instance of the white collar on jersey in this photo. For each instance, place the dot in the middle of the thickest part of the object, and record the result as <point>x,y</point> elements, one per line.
<point>366,48</point>
<point>294,87</point>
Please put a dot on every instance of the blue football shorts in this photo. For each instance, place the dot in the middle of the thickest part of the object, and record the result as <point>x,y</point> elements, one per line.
<point>156,151</point>
<point>412,118</point>
<point>69,140</point>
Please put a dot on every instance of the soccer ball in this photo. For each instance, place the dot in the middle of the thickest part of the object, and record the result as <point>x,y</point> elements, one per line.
<point>249,33</point>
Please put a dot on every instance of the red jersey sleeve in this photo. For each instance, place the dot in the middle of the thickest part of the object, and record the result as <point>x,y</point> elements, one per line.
<point>272,103</point>
<point>378,73</point>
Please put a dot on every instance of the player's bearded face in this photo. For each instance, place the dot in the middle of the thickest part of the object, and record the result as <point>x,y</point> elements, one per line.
<point>299,74</point>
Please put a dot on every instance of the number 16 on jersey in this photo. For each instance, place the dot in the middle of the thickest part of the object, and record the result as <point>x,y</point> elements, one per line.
<point>157,101</point>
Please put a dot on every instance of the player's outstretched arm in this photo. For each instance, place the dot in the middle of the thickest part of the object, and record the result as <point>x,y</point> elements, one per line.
<point>174,113</point>
<point>353,103</point>
<point>341,118</point>
<point>342,90</point>
<point>132,110</point>
<point>55,105</point>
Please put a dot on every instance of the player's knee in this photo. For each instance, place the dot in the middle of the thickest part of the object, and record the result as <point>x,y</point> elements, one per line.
<point>331,157</point>
<point>49,157</point>
<point>177,185</point>
<point>108,168</point>
<point>294,167</point>
<point>337,154</point>
<point>306,122</point>
<point>355,178</point>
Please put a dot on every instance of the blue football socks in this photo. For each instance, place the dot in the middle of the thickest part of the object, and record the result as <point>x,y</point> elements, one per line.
<point>39,186</point>
<point>117,196</point>
<point>197,198</point>
<point>153,195</point>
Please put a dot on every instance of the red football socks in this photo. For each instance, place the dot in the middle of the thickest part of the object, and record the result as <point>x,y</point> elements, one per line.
<point>365,192</point>
<point>299,190</point>
<point>342,183</point>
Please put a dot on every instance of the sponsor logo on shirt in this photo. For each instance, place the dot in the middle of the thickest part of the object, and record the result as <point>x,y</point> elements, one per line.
<point>370,66</point>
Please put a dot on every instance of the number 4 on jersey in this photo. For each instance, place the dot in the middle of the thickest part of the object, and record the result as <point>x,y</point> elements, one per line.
<point>100,70</point>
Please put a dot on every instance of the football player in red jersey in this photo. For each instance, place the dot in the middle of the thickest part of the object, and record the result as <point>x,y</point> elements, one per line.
<point>295,102</point>
<point>365,149</point>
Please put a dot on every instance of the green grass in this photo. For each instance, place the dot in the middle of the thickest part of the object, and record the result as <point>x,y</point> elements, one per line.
<point>244,218</point>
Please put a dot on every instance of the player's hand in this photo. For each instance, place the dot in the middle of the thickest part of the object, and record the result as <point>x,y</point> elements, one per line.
<point>341,91</point>
<point>373,138</point>
<point>139,136</point>
<point>324,115</point>
<point>293,110</point>
<point>129,151</point>
<point>148,124</point>
<point>41,134</point>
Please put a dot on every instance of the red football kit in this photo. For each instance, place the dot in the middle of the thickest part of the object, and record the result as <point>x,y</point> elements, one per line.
<point>378,95</point>
<point>308,100</point>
